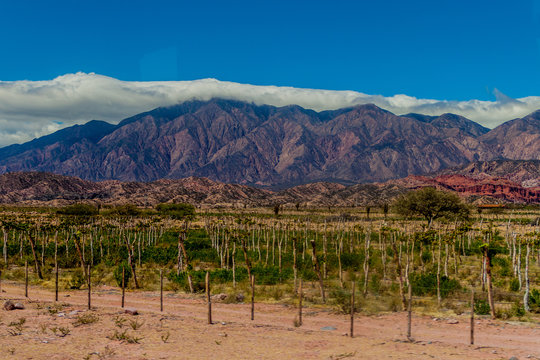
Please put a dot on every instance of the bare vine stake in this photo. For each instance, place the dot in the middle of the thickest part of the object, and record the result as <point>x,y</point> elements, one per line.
<point>208,300</point>
<point>56,281</point>
<point>123,286</point>
<point>318,270</point>
<point>89,289</point>
<point>56,267</point>
<point>26,278</point>
<point>409,315</point>
<point>234,265</point>
<point>252,297</point>
<point>300,295</point>
<point>352,308</point>
<point>472,316</point>
<point>161,290</point>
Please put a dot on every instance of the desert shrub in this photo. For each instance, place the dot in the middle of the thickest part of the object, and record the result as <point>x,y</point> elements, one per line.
<point>85,318</point>
<point>176,211</point>
<point>534,300</point>
<point>351,260</point>
<point>502,267</point>
<point>160,254</point>
<point>197,277</point>
<point>77,279</point>
<point>426,256</point>
<point>222,276</point>
<point>514,285</point>
<point>341,299</point>
<point>123,266</point>
<point>517,309</point>
<point>78,210</point>
<point>270,275</point>
<point>374,284</point>
<point>264,275</point>
<point>481,307</point>
<point>125,210</point>
<point>426,284</point>
<point>308,274</point>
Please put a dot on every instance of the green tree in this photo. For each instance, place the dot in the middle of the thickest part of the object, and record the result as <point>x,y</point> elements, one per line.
<point>431,204</point>
<point>176,211</point>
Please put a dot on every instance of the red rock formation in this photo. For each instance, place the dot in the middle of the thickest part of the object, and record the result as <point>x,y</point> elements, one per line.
<point>493,187</point>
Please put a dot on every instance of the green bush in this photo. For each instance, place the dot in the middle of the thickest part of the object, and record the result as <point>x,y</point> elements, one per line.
<point>123,266</point>
<point>77,279</point>
<point>197,278</point>
<point>351,261</point>
<point>270,275</point>
<point>534,301</point>
<point>125,210</point>
<point>502,267</point>
<point>341,299</point>
<point>176,211</point>
<point>78,210</point>
<point>375,283</point>
<point>426,284</point>
<point>481,307</point>
<point>518,310</point>
<point>514,285</point>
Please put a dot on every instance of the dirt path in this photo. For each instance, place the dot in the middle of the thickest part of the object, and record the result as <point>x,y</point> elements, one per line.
<point>181,331</point>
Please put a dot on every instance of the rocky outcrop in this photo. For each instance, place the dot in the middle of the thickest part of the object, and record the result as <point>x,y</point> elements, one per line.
<point>523,172</point>
<point>492,187</point>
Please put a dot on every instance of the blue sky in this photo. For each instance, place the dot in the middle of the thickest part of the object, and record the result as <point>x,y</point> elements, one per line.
<point>451,50</point>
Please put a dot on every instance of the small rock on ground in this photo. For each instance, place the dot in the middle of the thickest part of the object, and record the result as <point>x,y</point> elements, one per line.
<point>10,305</point>
<point>131,311</point>
<point>328,328</point>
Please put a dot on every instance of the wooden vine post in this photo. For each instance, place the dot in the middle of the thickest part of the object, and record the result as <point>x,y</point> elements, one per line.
<point>300,296</point>
<point>56,267</point>
<point>186,266</point>
<point>161,290</point>
<point>56,282</point>
<point>409,314</point>
<point>26,278</point>
<point>472,316</point>
<point>36,260</point>
<point>89,289</point>
<point>123,285</point>
<point>76,239</point>
<point>352,308</point>
<point>246,258</point>
<point>487,261</point>
<point>318,270</point>
<point>208,299</point>
<point>252,297</point>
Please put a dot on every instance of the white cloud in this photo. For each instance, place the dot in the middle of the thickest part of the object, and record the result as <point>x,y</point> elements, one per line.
<point>29,109</point>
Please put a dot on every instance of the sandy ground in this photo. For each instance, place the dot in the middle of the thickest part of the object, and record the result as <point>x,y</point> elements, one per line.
<point>182,332</point>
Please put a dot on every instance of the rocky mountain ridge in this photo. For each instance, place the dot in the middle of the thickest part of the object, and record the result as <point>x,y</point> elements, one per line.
<point>45,189</point>
<point>278,147</point>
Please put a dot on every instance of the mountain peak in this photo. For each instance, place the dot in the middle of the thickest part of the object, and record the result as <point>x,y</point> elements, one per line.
<point>240,142</point>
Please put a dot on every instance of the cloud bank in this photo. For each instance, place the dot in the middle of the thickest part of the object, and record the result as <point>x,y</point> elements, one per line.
<point>30,109</point>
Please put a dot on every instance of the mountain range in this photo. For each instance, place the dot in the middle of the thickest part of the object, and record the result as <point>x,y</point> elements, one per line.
<point>277,147</point>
